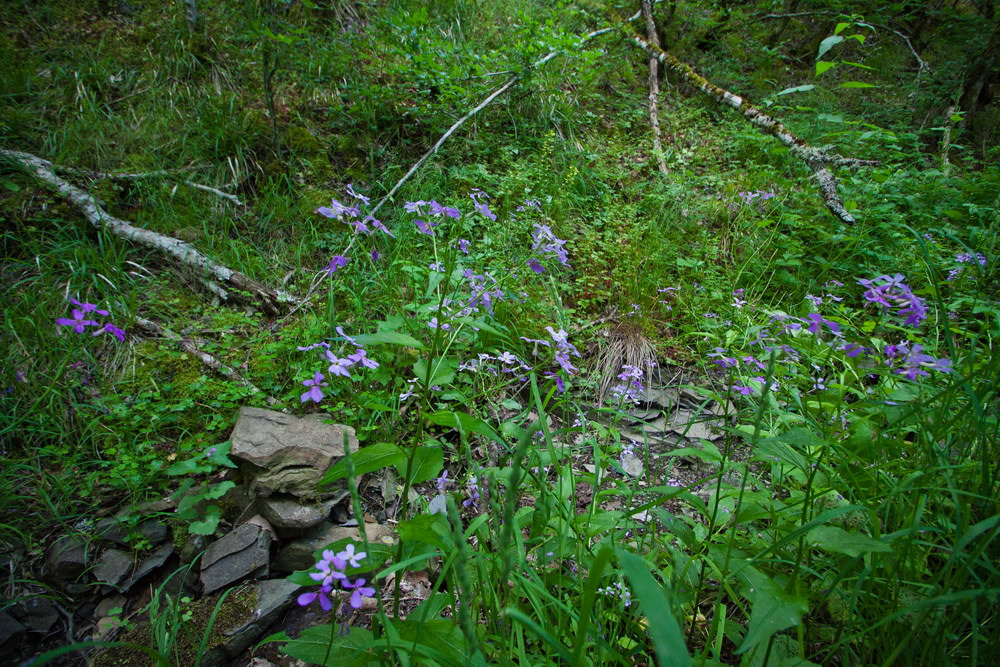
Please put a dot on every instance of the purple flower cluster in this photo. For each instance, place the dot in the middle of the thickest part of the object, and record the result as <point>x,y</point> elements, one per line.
<point>481,200</point>
<point>338,366</point>
<point>331,568</point>
<point>546,243</point>
<point>911,362</point>
<point>971,258</point>
<point>630,388</point>
<point>893,292</point>
<point>619,590</point>
<point>473,494</point>
<point>79,320</point>
<point>564,349</point>
<point>351,215</point>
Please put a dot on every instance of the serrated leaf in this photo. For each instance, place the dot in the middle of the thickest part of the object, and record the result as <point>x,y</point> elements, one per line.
<point>838,540</point>
<point>828,44</point>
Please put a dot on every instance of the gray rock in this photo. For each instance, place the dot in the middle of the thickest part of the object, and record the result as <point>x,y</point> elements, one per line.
<point>632,465</point>
<point>688,427</point>
<point>38,614</point>
<point>273,598</point>
<point>68,558</point>
<point>287,454</point>
<point>11,632</point>
<point>664,397</point>
<point>195,545</point>
<point>113,566</point>
<point>118,531</point>
<point>105,606</point>
<point>240,554</point>
<point>298,554</point>
<point>291,516</point>
<point>149,563</point>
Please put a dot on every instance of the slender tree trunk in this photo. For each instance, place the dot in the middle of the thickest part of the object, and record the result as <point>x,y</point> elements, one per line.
<point>654,87</point>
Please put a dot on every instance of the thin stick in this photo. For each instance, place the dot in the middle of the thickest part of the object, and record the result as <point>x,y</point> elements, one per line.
<point>654,87</point>
<point>217,193</point>
<point>271,300</point>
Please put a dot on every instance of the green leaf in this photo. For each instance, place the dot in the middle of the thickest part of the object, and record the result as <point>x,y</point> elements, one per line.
<point>206,527</point>
<point>313,646</point>
<point>443,370</point>
<point>389,338</point>
<point>367,459</point>
<point>840,28</point>
<point>771,609</point>
<point>828,44</point>
<point>427,463</point>
<point>439,639</point>
<point>189,467</point>
<point>838,540</point>
<point>219,490</point>
<point>824,65</point>
<point>429,529</point>
<point>664,629</point>
<point>797,89</point>
<point>467,422</point>
<point>857,84</point>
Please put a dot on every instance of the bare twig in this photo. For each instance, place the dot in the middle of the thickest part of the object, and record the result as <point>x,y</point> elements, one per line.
<point>191,348</point>
<point>654,87</point>
<point>819,160</point>
<point>217,278</point>
<point>217,193</point>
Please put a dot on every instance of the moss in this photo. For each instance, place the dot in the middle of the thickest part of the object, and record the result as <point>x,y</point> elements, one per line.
<point>236,610</point>
<point>301,140</point>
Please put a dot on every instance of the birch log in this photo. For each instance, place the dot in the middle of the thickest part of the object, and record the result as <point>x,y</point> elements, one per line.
<point>819,160</point>
<point>654,86</point>
<point>217,278</point>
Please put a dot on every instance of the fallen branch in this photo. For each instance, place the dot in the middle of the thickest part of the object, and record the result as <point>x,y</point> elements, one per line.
<point>217,278</point>
<point>217,193</point>
<point>654,87</point>
<point>191,348</point>
<point>819,160</point>
<point>138,176</point>
<point>461,121</point>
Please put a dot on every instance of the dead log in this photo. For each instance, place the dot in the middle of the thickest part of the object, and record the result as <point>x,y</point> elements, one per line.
<point>819,160</point>
<point>654,87</point>
<point>222,281</point>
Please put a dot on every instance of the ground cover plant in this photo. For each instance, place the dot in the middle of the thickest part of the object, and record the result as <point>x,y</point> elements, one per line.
<point>820,485</point>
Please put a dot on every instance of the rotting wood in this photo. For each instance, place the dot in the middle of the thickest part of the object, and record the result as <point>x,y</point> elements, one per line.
<point>654,87</point>
<point>819,160</point>
<point>222,281</point>
<point>191,348</point>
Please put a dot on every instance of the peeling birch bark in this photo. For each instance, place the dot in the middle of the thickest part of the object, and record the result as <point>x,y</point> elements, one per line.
<point>191,348</point>
<point>819,160</point>
<point>219,279</point>
<point>654,87</point>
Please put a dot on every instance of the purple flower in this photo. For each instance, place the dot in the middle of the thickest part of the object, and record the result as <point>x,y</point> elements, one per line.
<point>723,360</point>
<point>377,224</point>
<point>414,206</point>
<point>485,210</point>
<point>560,385</point>
<point>360,591</point>
<point>535,266</point>
<point>473,499</point>
<point>968,257</point>
<point>816,320</point>
<point>437,267</point>
<point>113,330</point>
<point>852,350</point>
<point>337,210</point>
<point>89,308</point>
<point>745,391</point>
<point>314,393</point>
<point>324,602</point>
<point>463,245</point>
<point>816,301</point>
<point>547,243</point>
<point>424,227</point>
<point>321,344</point>
<point>361,356</point>
<point>338,366</point>
<point>340,330</point>
<point>350,191</point>
<point>351,557</point>
<point>77,321</point>
<point>442,481</point>
<point>336,263</point>
<point>375,255</point>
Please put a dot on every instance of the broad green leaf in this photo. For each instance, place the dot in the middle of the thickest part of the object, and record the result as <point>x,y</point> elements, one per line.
<point>857,84</point>
<point>837,540</point>
<point>468,423</point>
<point>439,639</point>
<point>668,642</point>
<point>389,338</point>
<point>189,467</point>
<point>824,65</point>
<point>840,28</point>
<point>367,459</point>
<point>427,463</point>
<point>828,44</point>
<point>206,527</point>
<point>313,646</point>
<point>429,529</point>
<point>219,490</point>
<point>771,609</point>
<point>442,370</point>
<point>797,89</point>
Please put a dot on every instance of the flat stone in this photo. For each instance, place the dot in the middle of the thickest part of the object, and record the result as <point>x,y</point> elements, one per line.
<point>113,566</point>
<point>298,554</point>
<point>632,465</point>
<point>664,397</point>
<point>38,614</point>
<point>11,632</point>
<point>291,516</point>
<point>149,563</point>
<point>68,558</point>
<point>195,545</point>
<point>117,530</point>
<point>282,453</point>
<point>105,606</point>
<point>273,596</point>
<point>242,553</point>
